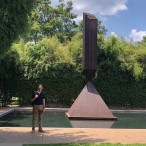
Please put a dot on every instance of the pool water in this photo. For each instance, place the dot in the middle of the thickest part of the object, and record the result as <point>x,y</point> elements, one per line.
<point>57,119</point>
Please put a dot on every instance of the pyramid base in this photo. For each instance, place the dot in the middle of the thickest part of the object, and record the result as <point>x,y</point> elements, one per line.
<point>89,105</point>
<point>89,118</point>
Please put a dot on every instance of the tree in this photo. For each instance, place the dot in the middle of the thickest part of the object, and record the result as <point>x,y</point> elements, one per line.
<point>37,58</point>
<point>13,16</point>
<point>9,73</point>
<point>75,48</point>
<point>48,21</point>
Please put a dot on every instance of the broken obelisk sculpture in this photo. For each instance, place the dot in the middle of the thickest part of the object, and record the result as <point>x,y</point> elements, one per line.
<point>89,104</point>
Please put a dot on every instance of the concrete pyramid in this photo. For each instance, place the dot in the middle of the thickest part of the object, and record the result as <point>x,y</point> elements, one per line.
<point>89,105</point>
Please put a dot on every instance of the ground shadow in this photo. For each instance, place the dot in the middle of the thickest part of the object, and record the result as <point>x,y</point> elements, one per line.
<point>24,136</point>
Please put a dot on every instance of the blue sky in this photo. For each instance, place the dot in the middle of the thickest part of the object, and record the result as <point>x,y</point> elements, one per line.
<point>130,22</point>
<point>121,17</point>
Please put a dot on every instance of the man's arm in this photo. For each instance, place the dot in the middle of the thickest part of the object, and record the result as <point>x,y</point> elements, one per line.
<point>43,103</point>
<point>33,98</point>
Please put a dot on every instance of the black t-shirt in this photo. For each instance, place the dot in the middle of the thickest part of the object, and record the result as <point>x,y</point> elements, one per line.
<point>39,100</point>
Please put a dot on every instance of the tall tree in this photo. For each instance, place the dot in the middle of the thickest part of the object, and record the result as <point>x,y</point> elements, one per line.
<point>47,20</point>
<point>13,16</point>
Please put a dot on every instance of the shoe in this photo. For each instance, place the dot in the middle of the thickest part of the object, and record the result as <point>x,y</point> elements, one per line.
<point>32,131</point>
<point>41,130</point>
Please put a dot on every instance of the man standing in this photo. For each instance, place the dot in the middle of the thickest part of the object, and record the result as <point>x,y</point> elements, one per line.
<point>38,101</point>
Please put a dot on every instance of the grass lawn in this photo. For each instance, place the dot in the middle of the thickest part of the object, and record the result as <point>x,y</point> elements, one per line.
<point>72,144</point>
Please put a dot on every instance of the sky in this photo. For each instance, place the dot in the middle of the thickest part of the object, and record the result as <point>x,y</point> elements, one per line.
<point>125,18</point>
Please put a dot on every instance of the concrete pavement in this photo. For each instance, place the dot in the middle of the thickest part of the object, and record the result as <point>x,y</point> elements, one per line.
<point>17,136</point>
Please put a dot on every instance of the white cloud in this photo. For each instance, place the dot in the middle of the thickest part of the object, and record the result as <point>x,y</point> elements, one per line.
<point>137,35</point>
<point>99,7</point>
<point>96,7</point>
<point>114,34</point>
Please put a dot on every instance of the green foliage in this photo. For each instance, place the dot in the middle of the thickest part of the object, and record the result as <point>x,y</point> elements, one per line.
<point>53,64</point>
<point>121,73</point>
<point>13,16</point>
<point>9,71</point>
<point>58,67</point>
<point>75,48</point>
<point>48,21</point>
<point>44,54</point>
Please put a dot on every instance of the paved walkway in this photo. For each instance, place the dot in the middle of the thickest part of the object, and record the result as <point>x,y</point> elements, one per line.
<point>16,136</point>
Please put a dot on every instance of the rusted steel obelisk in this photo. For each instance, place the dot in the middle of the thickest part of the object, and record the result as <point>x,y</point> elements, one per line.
<point>89,104</point>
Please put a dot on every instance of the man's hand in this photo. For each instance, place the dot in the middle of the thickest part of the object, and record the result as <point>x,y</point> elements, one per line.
<point>36,96</point>
<point>43,110</point>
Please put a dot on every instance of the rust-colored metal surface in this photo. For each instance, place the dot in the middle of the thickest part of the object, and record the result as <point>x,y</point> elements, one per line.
<point>89,45</point>
<point>89,105</point>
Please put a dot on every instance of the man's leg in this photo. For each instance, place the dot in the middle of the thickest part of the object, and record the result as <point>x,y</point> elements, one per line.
<point>40,114</point>
<point>34,112</point>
